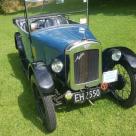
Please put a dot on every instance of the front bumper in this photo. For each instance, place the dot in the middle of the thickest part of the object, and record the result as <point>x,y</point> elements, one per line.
<point>110,79</point>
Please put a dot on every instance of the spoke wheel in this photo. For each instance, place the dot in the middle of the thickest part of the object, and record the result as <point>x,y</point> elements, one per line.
<point>45,107</point>
<point>125,91</point>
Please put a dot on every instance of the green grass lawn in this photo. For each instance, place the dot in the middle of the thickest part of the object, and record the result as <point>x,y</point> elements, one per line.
<point>112,24</point>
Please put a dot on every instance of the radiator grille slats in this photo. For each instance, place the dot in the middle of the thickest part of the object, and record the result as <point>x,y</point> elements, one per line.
<point>86,66</point>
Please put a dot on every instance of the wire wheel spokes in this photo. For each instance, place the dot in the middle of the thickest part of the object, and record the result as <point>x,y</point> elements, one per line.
<point>125,92</point>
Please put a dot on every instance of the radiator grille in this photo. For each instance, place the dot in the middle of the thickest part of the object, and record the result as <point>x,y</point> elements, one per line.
<point>86,66</point>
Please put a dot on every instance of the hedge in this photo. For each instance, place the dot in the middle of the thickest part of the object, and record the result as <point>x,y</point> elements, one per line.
<point>7,6</point>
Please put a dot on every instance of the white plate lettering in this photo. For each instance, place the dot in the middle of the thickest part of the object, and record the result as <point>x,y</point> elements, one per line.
<point>82,96</point>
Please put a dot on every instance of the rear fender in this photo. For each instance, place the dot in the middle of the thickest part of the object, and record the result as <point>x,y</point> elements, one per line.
<point>127,55</point>
<point>43,78</point>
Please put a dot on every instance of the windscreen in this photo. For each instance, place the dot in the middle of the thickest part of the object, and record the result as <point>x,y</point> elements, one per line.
<point>67,7</point>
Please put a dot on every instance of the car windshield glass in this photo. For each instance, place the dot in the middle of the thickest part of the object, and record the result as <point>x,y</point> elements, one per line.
<point>67,7</point>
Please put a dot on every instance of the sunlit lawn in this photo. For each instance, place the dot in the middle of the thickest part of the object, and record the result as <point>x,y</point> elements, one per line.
<point>112,26</point>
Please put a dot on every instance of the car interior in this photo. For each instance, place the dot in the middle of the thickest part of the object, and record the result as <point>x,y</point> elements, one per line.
<point>44,22</point>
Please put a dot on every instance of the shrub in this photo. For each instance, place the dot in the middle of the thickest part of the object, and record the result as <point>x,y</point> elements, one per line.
<point>7,6</point>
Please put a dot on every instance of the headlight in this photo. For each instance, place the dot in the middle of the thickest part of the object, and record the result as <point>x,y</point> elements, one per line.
<point>57,66</point>
<point>116,55</point>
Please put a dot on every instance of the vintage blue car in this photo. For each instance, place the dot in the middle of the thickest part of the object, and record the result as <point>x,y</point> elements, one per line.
<point>65,62</point>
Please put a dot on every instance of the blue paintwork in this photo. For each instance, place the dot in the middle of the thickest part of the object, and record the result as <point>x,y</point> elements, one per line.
<point>51,43</point>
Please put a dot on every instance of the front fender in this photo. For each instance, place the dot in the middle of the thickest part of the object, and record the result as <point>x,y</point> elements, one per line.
<point>127,55</point>
<point>43,78</point>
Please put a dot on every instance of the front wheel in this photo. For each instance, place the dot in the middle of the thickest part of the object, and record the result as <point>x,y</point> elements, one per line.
<point>125,92</point>
<point>45,107</point>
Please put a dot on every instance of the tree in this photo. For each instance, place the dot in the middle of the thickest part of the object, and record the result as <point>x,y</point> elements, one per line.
<point>9,5</point>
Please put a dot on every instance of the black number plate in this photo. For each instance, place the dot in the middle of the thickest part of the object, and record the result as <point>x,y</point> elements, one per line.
<point>87,95</point>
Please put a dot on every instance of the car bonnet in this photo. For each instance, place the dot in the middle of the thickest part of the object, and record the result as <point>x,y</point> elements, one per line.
<point>63,36</point>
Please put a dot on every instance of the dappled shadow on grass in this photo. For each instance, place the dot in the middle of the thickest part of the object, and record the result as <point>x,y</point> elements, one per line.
<point>79,107</point>
<point>26,99</point>
<point>113,7</point>
<point>71,107</point>
<point>106,7</point>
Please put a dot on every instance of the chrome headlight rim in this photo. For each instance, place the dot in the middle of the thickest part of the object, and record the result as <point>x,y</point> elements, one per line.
<point>57,66</point>
<point>116,55</point>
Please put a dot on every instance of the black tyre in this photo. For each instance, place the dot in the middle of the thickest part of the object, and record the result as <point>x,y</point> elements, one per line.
<point>45,107</point>
<point>19,45</point>
<point>16,37</point>
<point>125,92</point>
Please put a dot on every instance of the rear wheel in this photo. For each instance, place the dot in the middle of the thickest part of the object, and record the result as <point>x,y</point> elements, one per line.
<point>16,37</point>
<point>19,45</point>
<point>45,107</point>
<point>125,92</point>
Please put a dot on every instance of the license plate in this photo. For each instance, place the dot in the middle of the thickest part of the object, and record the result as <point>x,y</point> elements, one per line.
<point>87,95</point>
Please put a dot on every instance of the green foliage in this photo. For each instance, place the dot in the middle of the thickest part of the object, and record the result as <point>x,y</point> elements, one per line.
<point>1,3</point>
<point>7,6</point>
